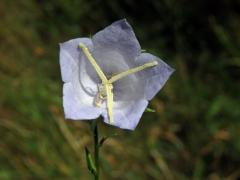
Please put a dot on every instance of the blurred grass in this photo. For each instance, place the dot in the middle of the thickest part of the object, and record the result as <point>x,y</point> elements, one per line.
<point>194,133</point>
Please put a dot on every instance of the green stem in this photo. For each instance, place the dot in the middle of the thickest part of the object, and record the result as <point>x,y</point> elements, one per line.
<point>96,149</point>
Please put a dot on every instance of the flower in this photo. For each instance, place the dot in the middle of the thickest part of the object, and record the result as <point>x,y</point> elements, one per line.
<point>108,76</point>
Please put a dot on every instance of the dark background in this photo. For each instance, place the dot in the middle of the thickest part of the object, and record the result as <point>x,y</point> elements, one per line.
<point>194,133</point>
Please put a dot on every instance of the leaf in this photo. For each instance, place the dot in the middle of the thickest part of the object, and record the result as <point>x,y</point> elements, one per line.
<point>103,140</point>
<point>149,110</point>
<point>90,163</point>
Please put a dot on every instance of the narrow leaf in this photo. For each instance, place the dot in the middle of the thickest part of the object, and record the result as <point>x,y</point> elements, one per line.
<point>149,110</point>
<point>105,138</point>
<point>90,163</point>
<point>102,141</point>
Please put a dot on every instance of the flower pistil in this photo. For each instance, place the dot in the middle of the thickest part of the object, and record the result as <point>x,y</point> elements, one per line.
<point>105,89</point>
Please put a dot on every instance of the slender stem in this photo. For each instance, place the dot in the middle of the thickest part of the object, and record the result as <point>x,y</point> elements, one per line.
<point>96,149</point>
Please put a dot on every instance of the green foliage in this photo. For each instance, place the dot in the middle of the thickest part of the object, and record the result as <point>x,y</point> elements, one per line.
<point>194,133</point>
<point>149,110</point>
<point>90,163</point>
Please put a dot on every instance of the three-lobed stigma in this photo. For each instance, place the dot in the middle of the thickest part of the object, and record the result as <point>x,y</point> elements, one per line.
<point>105,89</point>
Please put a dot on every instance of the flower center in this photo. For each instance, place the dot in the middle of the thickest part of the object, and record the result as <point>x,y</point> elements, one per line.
<point>101,95</point>
<point>106,87</point>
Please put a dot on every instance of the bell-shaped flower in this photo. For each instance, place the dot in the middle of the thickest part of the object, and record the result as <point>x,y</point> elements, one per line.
<point>108,76</point>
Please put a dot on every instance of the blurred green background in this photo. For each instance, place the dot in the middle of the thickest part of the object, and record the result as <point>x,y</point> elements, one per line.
<point>195,131</point>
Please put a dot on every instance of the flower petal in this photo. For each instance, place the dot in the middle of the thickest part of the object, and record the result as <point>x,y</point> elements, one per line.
<point>77,102</point>
<point>118,37</point>
<point>129,88</point>
<point>78,105</point>
<point>156,77</point>
<point>69,57</point>
<point>126,115</point>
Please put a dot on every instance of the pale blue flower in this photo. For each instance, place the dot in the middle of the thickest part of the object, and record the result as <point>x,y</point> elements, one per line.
<point>115,50</point>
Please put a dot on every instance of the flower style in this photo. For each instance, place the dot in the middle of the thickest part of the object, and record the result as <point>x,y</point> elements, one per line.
<point>109,76</point>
